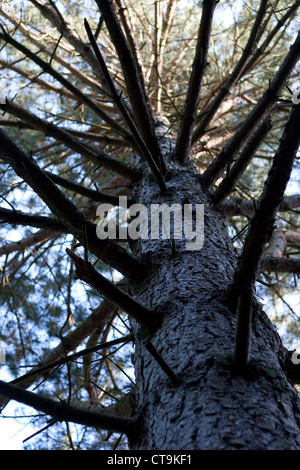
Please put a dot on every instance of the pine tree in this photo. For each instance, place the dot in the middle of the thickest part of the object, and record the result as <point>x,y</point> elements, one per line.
<point>191,124</point>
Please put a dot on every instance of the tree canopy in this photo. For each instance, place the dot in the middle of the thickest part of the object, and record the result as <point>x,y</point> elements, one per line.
<point>86,88</point>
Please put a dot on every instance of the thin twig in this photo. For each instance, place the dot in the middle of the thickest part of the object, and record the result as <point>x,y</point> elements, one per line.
<point>38,371</point>
<point>172,376</point>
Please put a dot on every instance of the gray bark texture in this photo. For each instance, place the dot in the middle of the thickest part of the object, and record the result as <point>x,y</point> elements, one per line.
<point>213,406</point>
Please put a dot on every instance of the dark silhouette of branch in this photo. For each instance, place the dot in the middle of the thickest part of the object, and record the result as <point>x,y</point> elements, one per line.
<point>184,138</point>
<point>51,12</point>
<point>262,223</point>
<point>117,98</point>
<point>235,75</point>
<point>87,273</point>
<point>123,13</point>
<point>74,220</point>
<point>70,141</point>
<point>101,315</point>
<point>280,265</point>
<point>38,371</point>
<point>262,108</point>
<point>134,87</point>
<point>92,194</point>
<point>83,98</point>
<point>87,135</point>
<point>62,411</point>
<point>16,217</point>
<point>280,23</point>
<point>230,180</point>
<point>261,228</point>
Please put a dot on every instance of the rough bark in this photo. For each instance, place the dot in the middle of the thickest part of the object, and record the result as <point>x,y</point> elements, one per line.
<point>211,406</point>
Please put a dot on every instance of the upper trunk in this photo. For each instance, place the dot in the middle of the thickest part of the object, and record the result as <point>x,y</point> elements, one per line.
<point>212,407</point>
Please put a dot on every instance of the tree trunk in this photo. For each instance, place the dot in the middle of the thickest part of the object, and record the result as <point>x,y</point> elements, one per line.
<point>213,406</point>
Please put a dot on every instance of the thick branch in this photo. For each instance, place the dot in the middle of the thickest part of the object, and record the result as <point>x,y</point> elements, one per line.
<point>66,211</point>
<point>235,74</point>
<point>277,245</point>
<point>65,412</point>
<point>70,141</point>
<point>185,133</point>
<point>82,97</point>
<point>263,220</point>
<point>280,265</point>
<point>123,12</point>
<point>231,179</point>
<point>134,87</point>
<point>86,272</point>
<point>262,107</point>
<point>124,111</point>
<point>234,207</point>
<point>39,221</point>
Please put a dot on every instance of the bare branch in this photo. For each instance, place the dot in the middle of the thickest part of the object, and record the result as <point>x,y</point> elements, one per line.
<point>277,245</point>
<point>262,223</point>
<point>62,411</point>
<point>262,107</point>
<point>184,138</point>
<point>89,193</point>
<point>82,97</point>
<point>40,370</point>
<point>134,88</point>
<point>70,141</point>
<point>16,217</point>
<point>66,211</point>
<point>51,12</point>
<point>165,367</point>
<point>25,243</point>
<point>230,180</point>
<point>235,75</point>
<point>88,273</point>
<point>280,23</point>
<point>280,265</point>
<point>70,342</point>
<point>234,207</point>
<point>124,15</point>
<point>124,111</point>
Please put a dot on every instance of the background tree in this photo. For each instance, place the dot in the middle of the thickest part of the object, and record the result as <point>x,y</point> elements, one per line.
<point>163,102</point>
